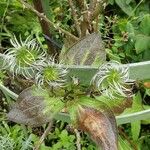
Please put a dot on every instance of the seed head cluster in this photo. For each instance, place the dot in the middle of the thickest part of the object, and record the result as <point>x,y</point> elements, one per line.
<point>112,80</point>
<point>28,59</point>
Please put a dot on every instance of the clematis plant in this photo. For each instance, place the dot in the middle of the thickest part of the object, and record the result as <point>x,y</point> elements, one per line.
<point>50,73</point>
<point>54,93</point>
<point>112,80</point>
<point>21,58</point>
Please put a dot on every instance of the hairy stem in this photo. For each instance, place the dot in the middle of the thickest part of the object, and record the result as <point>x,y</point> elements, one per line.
<point>43,136</point>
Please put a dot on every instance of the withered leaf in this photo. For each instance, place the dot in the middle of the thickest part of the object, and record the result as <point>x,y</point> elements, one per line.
<point>29,108</point>
<point>100,125</point>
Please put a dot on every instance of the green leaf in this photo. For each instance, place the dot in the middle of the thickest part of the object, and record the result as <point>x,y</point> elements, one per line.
<point>43,147</point>
<point>135,129</point>
<point>128,1</point>
<point>146,55</point>
<point>124,144</point>
<point>136,107</point>
<point>2,75</point>
<point>145,25</point>
<point>137,103</point>
<point>125,7</point>
<point>146,121</point>
<point>142,43</point>
<point>128,118</point>
<point>73,112</point>
<point>6,143</point>
<point>112,56</point>
<point>111,2</point>
<point>46,8</point>
<point>130,30</point>
<point>116,105</point>
<point>122,23</point>
<point>148,92</point>
<point>27,144</point>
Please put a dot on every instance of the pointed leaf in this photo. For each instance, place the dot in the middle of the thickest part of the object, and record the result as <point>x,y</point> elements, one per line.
<point>136,126</point>
<point>135,129</point>
<point>87,51</point>
<point>73,113</point>
<point>130,30</point>
<point>99,122</point>
<point>125,7</point>
<point>100,128</point>
<point>142,43</point>
<point>124,144</point>
<point>136,107</point>
<point>116,105</point>
<point>145,25</point>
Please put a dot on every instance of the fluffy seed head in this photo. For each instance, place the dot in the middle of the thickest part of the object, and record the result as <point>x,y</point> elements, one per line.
<point>112,80</point>
<point>51,73</point>
<point>21,58</point>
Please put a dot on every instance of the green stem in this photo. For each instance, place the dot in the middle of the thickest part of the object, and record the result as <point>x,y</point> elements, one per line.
<point>128,118</point>
<point>4,15</point>
<point>122,119</point>
<point>137,71</point>
<point>135,9</point>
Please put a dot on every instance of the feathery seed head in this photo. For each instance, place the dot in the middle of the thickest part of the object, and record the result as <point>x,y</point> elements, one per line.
<point>112,80</point>
<point>21,58</point>
<point>51,73</point>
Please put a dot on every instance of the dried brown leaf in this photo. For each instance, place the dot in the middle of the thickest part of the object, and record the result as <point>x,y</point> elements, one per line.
<point>100,125</point>
<point>28,109</point>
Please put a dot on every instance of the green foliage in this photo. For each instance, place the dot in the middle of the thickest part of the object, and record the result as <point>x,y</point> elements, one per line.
<point>136,126</point>
<point>116,105</point>
<point>20,21</point>
<point>144,142</point>
<point>124,144</point>
<point>65,141</point>
<point>142,39</point>
<point>15,135</point>
<point>124,5</point>
<point>2,75</point>
<point>15,19</point>
<point>127,35</point>
<point>6,143</point>
<point>130,41</point>
<point>54,10</point>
